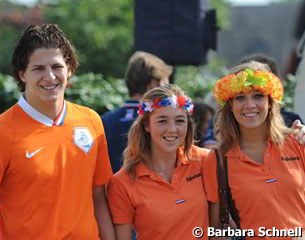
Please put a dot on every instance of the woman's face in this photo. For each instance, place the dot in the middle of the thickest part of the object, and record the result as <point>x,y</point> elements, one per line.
<point>167,127</point>
<point>250,109</point>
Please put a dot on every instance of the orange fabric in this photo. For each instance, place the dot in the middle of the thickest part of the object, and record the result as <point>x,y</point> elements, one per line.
<point>279,203</point>
<point>49,195</point>
<point>149,202</point>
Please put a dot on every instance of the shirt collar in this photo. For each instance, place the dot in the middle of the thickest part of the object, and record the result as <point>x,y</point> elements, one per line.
<point>38,116</point>
<point>131,103</point>
<point>237,152</point>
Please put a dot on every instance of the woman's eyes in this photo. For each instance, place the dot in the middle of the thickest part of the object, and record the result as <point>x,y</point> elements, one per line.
<point>239,98</point>
<point>177,121</point>
<point>255,96</point>
<point>258,96</point>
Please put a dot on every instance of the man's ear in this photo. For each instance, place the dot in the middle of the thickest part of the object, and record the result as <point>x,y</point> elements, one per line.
<point>21,76</point>
<point>69,73</point>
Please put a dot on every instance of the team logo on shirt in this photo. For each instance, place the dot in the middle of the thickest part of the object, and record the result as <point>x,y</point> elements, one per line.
<point>83,138</point>
<point>290,158</point>
<point>32,154</point>
<point>190,178</point>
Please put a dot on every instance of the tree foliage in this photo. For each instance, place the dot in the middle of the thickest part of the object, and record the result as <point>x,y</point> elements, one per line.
<point>8,91</point>
<point>9,31</point>
<point>102,32</point>
<point>89,89</point>
<point>93,91</point>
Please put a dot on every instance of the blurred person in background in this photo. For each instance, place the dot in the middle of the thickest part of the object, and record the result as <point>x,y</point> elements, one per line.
<point>202,115</point>
<point>144,72</point>
<point>298,34</point>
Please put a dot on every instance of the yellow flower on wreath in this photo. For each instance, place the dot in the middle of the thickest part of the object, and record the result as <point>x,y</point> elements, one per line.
<point>246,80</point>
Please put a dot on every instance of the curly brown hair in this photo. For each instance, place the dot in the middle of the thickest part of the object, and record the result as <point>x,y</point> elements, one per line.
<point>41,36</point>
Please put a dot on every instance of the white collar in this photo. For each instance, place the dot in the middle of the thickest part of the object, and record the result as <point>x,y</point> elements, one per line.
<point>38,116</point>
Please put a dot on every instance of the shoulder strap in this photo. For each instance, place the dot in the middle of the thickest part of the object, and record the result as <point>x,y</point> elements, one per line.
<point>222,191</point>
<point>227,204</point>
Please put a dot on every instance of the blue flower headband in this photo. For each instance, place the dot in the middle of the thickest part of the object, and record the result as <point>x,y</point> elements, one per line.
<point>174,101</point>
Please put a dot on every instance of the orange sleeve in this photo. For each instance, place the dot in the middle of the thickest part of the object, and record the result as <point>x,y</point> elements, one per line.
<point>210,177</point>
<point>302,146</point>
<point>6,148</point>
<point>119,200</point>
<point>103,170</point>
<point>198,153</point>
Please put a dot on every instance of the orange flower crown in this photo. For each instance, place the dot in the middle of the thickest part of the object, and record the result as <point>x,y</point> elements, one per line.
<point>246,80</point>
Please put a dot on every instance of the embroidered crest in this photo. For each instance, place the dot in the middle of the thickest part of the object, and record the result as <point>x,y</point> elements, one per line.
<point>83,138</point>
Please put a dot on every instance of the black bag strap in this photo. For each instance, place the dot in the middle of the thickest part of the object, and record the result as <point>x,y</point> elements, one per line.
<point>226,203</point>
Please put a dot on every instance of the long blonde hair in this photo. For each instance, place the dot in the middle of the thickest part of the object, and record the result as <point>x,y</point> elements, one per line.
<point>227,128</point>
<point>139,142</point>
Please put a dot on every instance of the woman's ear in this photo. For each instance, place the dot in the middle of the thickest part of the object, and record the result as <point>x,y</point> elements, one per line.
<point>231,105</point>
<point>146,126</point>
<point>269,102</point>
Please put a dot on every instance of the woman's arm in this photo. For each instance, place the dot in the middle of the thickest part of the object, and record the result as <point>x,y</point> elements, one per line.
<point>102,214</point>
<point>123,231</point>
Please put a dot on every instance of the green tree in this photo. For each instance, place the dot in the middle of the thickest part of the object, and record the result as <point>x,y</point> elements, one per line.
<point>100,30</point>
<point>93,91</point>
<point>9,31</point>
<point>9,93</point>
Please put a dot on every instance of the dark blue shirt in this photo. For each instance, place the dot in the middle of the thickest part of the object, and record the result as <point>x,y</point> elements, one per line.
<point>289,117</point>
<point>117,124</point>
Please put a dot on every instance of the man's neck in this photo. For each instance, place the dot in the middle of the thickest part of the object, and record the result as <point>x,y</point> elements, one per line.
<point>51,109</point>
<point>136,97</point>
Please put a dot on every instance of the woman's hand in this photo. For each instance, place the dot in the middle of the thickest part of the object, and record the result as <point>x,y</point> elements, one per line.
<point>300,133</point>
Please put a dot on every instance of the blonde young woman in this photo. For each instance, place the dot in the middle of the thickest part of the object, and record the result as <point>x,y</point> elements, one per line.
<point>266,165</point>
<point>159,191</point>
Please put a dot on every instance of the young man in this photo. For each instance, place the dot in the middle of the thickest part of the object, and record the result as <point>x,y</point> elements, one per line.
<point>53,154</point>
<point>144,72</point>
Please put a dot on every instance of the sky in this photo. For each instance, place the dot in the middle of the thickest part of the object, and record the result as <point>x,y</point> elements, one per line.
<point>234,2</point>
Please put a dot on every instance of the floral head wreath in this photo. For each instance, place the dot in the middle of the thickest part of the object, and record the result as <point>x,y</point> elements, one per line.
<point>246,80</point>
<point>174,101</point>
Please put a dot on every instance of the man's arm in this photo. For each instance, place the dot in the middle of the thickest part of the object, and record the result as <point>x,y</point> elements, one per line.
<point>102,214</point>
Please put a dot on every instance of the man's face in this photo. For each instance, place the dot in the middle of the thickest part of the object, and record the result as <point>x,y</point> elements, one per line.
<point>45,78</point>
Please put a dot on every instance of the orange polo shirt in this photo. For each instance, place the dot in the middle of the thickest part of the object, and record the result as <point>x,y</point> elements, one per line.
<point>159,209</point>
<point>47,173</point>
<point>266,195</point>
